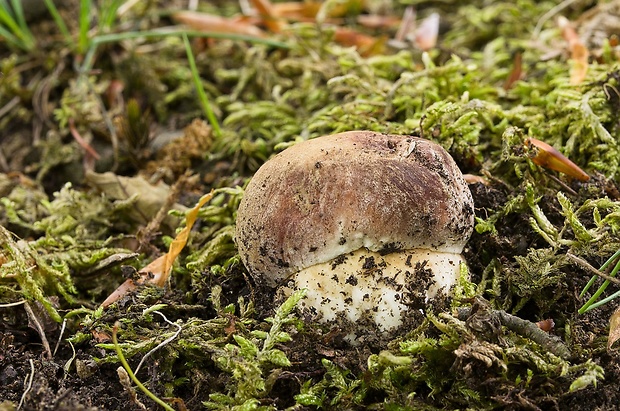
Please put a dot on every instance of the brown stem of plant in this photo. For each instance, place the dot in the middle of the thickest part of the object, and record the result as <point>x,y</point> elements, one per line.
<point>586,266</point>
<point>526,329</point>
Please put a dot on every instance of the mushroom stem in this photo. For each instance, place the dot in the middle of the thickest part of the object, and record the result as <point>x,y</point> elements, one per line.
<point>369,287</point>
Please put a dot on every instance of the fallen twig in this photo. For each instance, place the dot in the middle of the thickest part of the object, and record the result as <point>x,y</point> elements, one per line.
<point>585,265</point>
<point>163,343</point>
<point>524,328</point>
<point>30,378</point>
<point>34,321</point>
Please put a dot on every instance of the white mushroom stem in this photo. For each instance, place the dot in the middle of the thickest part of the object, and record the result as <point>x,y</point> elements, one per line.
<point>367,285</point>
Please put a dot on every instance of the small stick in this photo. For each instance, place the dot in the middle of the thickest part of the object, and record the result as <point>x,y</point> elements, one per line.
<point>163,343</point>
<point>526,329</point>
<point>15,304</point>
<point>585,265</point>
<point>30,377</point>
<point>40,330</point>
<point>62,331</point>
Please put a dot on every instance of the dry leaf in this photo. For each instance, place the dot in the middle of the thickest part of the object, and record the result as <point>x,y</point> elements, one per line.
<point>614,328</point>
<point>516,72</point>
<point>366,45</point>
<point>546,325</point>
<point>40,321</point>
<point>474,179</point>
<point>547,156</point>
<point>428,31</point>
<point>149,198</point>
<point>579,52</point>
<point>100,336</point>
<point>217,24</point>
<point>297,10</point>
<point>375,21</point>
<point>270,16</point>
<point>158,271</point>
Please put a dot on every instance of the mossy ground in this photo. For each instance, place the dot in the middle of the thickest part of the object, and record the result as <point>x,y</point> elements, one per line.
<point>70,237</point>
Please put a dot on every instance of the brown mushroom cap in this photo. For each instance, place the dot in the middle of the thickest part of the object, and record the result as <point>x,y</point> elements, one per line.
<point>332,195</point>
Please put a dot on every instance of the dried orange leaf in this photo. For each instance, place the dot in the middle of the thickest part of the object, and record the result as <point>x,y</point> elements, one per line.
<point>297,10</point>
<point>546,156</point>
<point>121,291</point>
<point>217,24</point>
<point>158,271</point>
<point>366,45</point>
<point>270,16</point>
<point>614,328</point>
<point>579,52</point>
<point>181,239</point>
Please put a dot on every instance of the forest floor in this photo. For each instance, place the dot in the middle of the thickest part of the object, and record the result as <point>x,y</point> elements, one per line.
<point>118,117</point>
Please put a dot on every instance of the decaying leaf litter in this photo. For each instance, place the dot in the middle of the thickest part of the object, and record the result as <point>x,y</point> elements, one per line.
<point>95,114</point>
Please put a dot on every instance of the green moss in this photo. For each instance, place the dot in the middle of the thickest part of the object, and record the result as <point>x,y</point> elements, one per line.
<point>267,98</point>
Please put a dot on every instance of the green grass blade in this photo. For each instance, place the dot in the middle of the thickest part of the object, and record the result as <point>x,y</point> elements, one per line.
<point>601,289</point>
<point>133,377</point>
<point>109,38</point>
<point>60,23</point>
<point>19,16</point>
<point>602,302</point>
<point>603,267</point>
<point>162,33</point>
<point>108,14</point>
<point>12,26</point>
<point>204,101</point>
<point>10,38</point>
<point>83,42</point>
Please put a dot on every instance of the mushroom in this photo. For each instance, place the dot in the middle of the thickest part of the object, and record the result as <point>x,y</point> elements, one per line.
<point>366,222</point>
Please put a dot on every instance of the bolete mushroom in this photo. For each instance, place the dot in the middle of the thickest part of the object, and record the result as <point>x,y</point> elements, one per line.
<point>365,221</point>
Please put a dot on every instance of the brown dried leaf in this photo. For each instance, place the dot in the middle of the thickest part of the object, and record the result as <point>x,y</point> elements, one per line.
<point>474,179</point>
<point>546,325</point>
<point>149,198</point>
<point>579,52</point>
<point>158,271</point>
<point>295,10</point>
<point>211,23</point>
<point>271,18</point>
<point>516,72</point>
<point>101,336</point>
<point>614,328</point>
<point>548,157</point>
<point>366,45</point>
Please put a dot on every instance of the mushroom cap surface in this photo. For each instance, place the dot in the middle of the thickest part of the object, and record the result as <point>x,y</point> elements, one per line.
<point>332,195</point>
